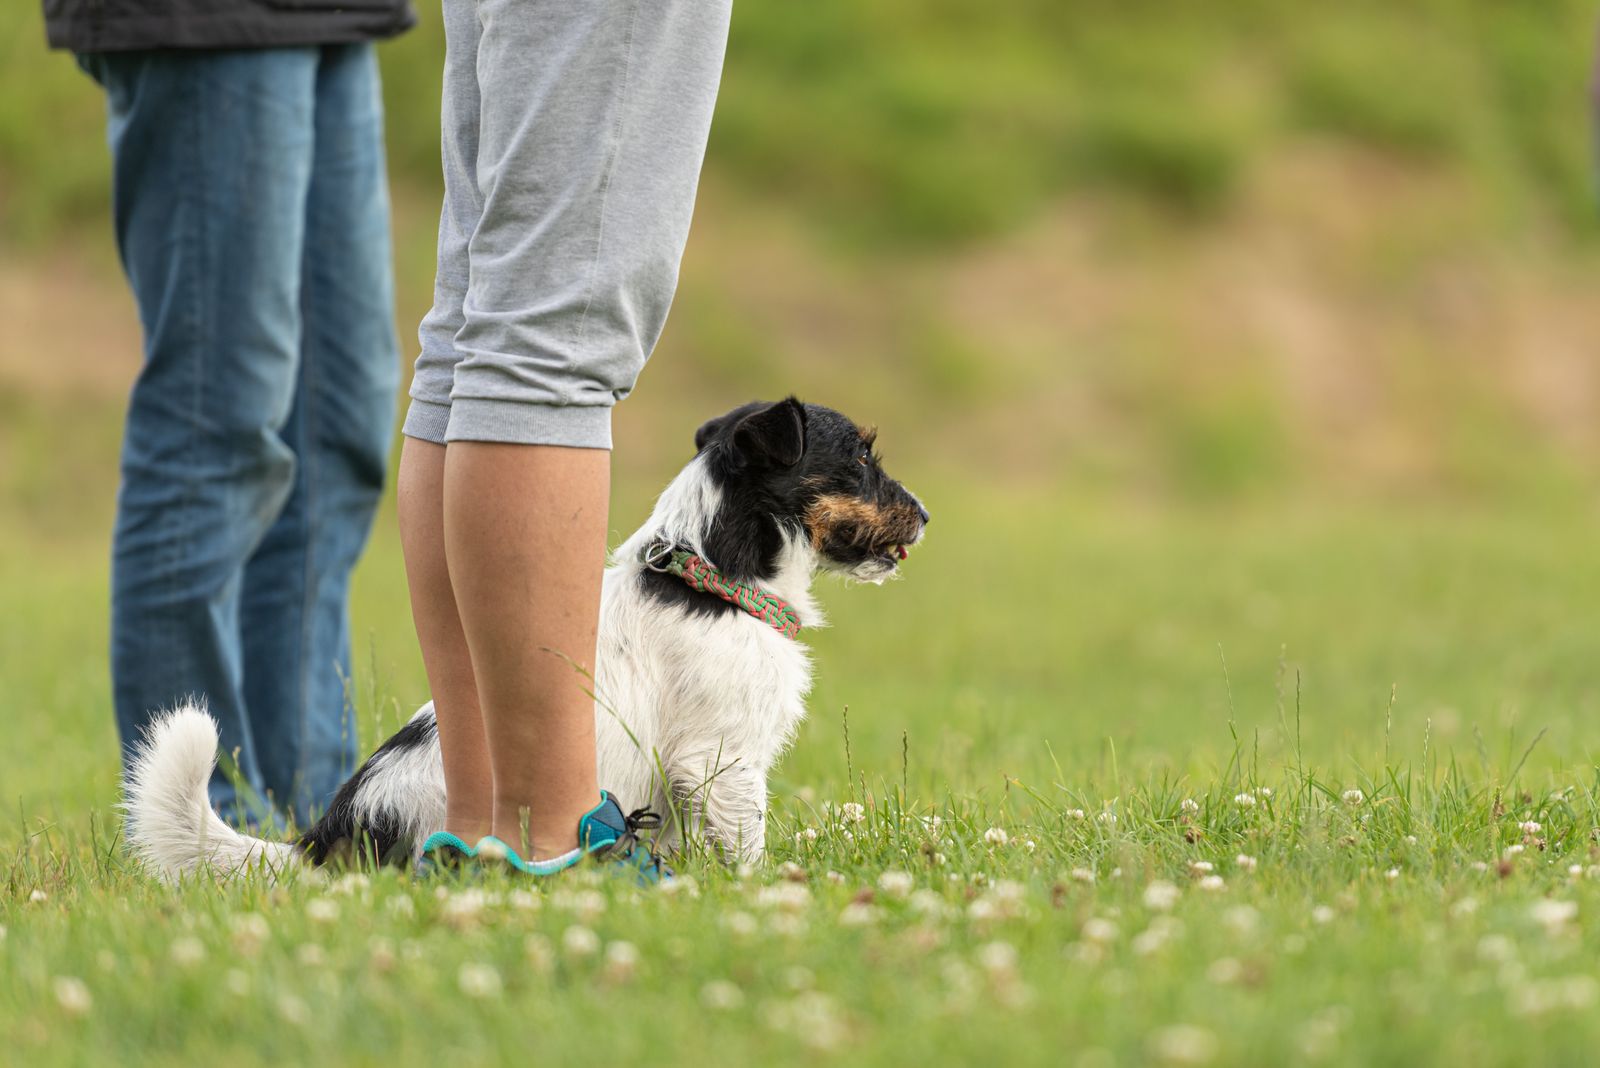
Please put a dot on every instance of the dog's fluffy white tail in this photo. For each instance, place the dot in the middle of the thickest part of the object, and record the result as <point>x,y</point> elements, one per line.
<point>171,826</point>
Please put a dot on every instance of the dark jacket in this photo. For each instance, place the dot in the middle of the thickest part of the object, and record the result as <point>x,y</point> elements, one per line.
<point>125,25</point>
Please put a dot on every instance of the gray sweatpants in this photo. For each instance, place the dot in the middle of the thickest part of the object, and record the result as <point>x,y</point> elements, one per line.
<point>573,134</point>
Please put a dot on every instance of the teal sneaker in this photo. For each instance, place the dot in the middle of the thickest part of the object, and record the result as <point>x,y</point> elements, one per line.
<point>604,834</point>
<point>608,836</point>
<point>443,853</point>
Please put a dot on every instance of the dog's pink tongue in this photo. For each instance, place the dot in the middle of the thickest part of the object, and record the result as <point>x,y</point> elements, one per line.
<point>901,549</point>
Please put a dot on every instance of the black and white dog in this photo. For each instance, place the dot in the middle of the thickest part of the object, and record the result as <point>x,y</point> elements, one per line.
<point>699,682</point>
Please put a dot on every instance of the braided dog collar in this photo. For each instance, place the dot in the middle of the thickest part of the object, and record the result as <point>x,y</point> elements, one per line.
<point>665,558</point>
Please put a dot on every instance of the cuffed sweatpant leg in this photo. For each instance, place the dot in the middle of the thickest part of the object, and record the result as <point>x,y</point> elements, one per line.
<point>573,139</point>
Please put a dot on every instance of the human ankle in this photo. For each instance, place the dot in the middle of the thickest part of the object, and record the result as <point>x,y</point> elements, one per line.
<point>536,839</point>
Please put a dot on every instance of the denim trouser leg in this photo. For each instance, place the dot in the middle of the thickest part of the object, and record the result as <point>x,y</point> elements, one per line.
<point>296,587</point>
<point>220,517</point>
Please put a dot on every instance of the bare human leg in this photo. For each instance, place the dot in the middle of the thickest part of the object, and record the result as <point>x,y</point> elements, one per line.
<point>469,781</point>
<point>525,535</point>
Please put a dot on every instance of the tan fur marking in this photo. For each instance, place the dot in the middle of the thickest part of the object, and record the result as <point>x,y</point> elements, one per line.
<point>850,520</point>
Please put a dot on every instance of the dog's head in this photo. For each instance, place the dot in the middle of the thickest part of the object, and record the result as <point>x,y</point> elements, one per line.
<point>801,471</point>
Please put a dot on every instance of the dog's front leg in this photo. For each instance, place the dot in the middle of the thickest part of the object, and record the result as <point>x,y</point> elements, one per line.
<point>729,805</point>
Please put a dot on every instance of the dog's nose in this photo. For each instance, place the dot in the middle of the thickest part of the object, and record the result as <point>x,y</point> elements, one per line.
<point>923,513</point>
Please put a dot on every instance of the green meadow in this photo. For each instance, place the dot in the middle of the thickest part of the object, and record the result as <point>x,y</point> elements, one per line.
<point>1242,706</point>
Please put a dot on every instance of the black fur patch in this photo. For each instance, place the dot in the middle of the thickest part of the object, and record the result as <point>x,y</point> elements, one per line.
<point>339,836</point>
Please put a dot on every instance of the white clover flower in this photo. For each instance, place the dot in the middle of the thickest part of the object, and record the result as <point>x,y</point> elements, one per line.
<point>896,883</point>
<point>322,910</point>
<point>1245,862</point>
<point>1189,805</point>
<point>1161,895</point>
<point>38,897</point>
<point>1480,866</point>
<point>937,860</point>
<point>1530,826</point>
<point>997,957</point>
<point>682,885</point>
<point>1242,919</point>
<point>1392,874</point>
<point>1465,907</point>
<point>1155,937</point>
<point>786,897</point>
<point>1245,800</point>
<point>1554,915</point>
<point>787,924</point>
<point>622,961</point>
<point>72,995</point>
<point>528,901</point>
<point>805,834</point>
<point>382,958</point>
<point>1225,971</point>
<point>722,995</point>
<point>927,903</point>
<point>1515,848</point>
<point>791,871</point>
<point>799,977</point>
<point>479,981</point>
<point>996,836</point>
<point>250,933</point>
<point>1099,929</point>
<point>1264,792</point>
<point>835,877</point>
<point>463,909</point>
<point>983,909</point>
<point>237,982</point>
<point>1353,797</point>
<point>1496,949</point>
<point>311,955</point>
<point>401,905</point>
<point>293,1010</point>
<point>1076,814</point>
<point>1082,875</point>
<point>579,941</point>
<point>350,882</point>
<point>1201,867</point>
<point>1184,1044</point>
<point>1573,992</point>
<point>858,914</point>
<point>1028,845</point>
<point>851,812</point>
<point>188,951</point>
<point>541,957</point>
<point>1323,914</point>
<point>588,905</point>
<point>1107,818</point>
<point>1212,883</point>
<point>934,825</point>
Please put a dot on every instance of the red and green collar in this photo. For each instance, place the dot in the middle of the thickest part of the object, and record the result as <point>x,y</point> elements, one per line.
<point>668,559</point>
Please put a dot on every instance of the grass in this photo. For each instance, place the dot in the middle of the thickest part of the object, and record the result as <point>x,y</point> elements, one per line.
<point>1043,657</point>
<point>934,124</point>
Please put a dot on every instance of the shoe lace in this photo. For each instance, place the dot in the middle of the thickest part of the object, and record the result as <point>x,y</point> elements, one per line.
<point>640,819</point>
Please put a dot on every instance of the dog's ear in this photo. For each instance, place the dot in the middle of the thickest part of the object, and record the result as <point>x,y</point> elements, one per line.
<point>713,428</point>
<point>774,435</point>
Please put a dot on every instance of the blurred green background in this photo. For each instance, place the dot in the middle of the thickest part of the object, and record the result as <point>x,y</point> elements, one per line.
<point>1244,331</point>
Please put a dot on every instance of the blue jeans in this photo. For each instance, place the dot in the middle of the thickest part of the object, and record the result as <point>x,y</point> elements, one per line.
<point>252,218</point>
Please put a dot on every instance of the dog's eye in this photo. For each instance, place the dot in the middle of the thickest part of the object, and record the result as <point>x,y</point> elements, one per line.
<point>862,459</point>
